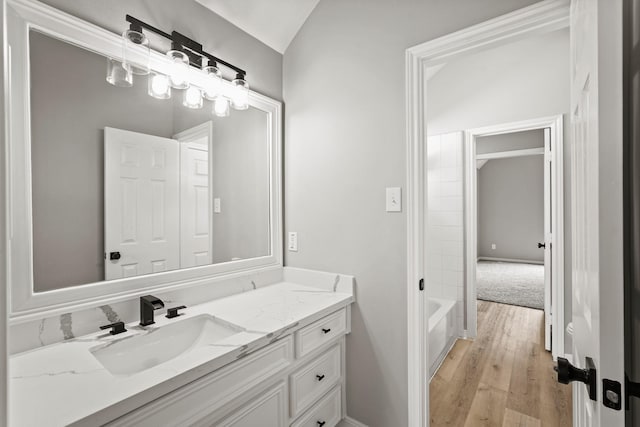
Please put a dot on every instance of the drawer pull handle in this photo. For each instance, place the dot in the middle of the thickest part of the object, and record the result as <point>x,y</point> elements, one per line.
<point>320,377</point>
<point>326,331</point>
<point>321,423</point>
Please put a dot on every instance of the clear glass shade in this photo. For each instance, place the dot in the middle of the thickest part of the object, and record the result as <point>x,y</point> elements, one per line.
<point>119,74</point>
<point>159,86</point>
<point>136,52</point>
<point>221,106</point>
<point>240,94</point>
<point>192,98</point>
<point>179,69</point>
<point>213,84</point>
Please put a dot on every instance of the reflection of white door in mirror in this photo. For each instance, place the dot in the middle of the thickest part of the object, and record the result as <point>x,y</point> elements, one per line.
<point>141,203</point>
<point>195,198</point>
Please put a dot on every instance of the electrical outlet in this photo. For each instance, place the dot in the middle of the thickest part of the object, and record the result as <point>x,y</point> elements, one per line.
<point>293,241</point>
<point>216,205</point>
<point>493,246</point>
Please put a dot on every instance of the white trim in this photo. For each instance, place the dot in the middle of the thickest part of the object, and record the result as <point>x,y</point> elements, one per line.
<point>4,227</point>
<point>542,17</point>
<point>521,261</point>
<point>25,303</point>
<point>555,123</point>
<point>350,422</point>
<point>511,153</point>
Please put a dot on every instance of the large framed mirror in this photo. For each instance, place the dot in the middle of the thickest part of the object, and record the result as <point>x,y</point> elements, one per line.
<point>114,193</point>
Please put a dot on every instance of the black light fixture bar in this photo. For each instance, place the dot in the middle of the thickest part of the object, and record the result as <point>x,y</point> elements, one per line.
<point>192,48</point>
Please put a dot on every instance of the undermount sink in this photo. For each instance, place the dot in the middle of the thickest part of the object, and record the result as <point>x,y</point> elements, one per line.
<point>135,354</point>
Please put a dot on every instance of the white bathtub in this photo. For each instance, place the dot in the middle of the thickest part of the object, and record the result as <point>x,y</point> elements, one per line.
<point>443,331</point>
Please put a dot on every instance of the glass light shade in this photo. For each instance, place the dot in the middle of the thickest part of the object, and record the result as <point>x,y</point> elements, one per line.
<point>159,86</point>
<point>119,74</point>
<point>192,98</point>
<point>240,94</point>
<point>214,82</point>
<point>221,106</point>
<point>179,69</point>
<point>136,52</point>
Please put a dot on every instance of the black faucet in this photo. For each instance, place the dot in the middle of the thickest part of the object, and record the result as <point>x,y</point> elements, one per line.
<point>148,304</point>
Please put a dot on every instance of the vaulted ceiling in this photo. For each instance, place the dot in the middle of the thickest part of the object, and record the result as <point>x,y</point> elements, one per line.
<point>274,22</point>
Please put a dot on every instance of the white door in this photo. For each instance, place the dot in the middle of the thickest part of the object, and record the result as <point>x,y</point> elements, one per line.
<point>548,240</point>
<point>141,204</point>
<point>596,199</point>
<point>195,196</point>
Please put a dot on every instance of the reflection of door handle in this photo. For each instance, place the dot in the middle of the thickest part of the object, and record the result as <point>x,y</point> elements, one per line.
<point>568,373</point>
<point>542,245</point>
<point>114,256</point>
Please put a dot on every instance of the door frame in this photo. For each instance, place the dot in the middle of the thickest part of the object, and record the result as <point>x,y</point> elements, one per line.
<point>539,18</point>
<point>556,293</point>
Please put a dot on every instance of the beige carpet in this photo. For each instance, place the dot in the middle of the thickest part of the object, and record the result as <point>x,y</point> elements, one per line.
<point>511,283</point>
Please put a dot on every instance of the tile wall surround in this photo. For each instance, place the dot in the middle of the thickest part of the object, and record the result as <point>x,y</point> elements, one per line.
<point>445,226</point>
<point>38,333</point>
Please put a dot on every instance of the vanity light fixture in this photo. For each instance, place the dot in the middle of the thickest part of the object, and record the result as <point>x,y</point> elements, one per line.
<point>184,54</point>
<point>159,86</point>
<point>118,74</point>
<point>192,98</point>
<point>221,106</point>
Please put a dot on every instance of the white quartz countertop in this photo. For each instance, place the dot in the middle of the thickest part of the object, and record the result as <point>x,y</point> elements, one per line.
<point>64,383</point>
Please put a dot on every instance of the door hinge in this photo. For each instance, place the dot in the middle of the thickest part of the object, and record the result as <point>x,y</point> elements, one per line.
<point>632,390</point>
<point>421,285</point>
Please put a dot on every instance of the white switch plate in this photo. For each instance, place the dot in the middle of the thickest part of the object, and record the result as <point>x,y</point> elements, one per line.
<point>493,246</point>
<point>293,241</point>
<point>216,205</point>
<point>394,199</point>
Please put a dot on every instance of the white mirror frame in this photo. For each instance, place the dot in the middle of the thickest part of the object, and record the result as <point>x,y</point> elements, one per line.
<point>26,304</point>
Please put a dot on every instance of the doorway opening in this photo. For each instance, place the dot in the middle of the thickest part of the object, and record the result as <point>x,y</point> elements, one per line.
<point>466,318</point>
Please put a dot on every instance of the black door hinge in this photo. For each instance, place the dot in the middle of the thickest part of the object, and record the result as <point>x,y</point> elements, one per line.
<point>632,390</point>
<point>421,284</point>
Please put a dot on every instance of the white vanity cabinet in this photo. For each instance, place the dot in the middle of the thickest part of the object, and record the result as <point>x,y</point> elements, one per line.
<point>297,380</point>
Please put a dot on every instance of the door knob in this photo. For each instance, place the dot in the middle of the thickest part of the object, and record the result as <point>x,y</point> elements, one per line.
<point>568,373</point>
<point>542,245</point>
<point>114,256</point>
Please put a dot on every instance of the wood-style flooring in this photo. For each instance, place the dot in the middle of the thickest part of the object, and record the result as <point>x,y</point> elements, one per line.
<point>503,378</point>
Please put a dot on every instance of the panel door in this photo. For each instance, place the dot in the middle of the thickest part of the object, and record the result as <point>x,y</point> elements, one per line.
<point>596,198</point>
<point>141,184</point>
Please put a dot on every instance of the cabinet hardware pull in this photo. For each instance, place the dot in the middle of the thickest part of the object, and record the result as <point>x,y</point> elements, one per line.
<point>321,423</point>
<point>320,377</point>
<point>326,331</point>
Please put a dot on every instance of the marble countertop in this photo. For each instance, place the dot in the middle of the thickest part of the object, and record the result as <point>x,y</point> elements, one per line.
<point>64,383</point>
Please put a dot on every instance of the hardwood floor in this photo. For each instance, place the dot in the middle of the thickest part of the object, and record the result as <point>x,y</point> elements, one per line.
<point>503,378</point>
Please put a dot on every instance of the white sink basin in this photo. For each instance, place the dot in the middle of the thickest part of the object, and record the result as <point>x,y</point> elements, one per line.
<point>138,353</point>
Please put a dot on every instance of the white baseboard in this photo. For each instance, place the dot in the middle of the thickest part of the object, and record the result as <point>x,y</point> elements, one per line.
<point>350,422</point>
<point>523,261</point>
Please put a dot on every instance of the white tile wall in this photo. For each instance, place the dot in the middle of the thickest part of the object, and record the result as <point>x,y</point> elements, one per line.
<point>445,203</point>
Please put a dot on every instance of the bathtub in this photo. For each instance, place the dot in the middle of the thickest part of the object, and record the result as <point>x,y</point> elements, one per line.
<point>443,330</point>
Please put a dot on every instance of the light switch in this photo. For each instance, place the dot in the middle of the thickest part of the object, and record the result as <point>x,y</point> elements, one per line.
<point>293,241</point>
<point>493,246</point>
<point>216,205</point>
<point>394,199</point>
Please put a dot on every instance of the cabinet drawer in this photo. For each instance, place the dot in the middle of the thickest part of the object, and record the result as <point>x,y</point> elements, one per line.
<point>314,379</point>
<point>266,410</point>
<point>205,396</point>
<point>326,413</point>
<point>316,334</point>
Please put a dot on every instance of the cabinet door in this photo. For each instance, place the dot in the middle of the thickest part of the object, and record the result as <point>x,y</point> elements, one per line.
<point>268,409</point>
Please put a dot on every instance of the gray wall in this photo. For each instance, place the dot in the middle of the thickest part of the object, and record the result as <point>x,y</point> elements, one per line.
<point>511,208</point>
<point>344,143</point>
